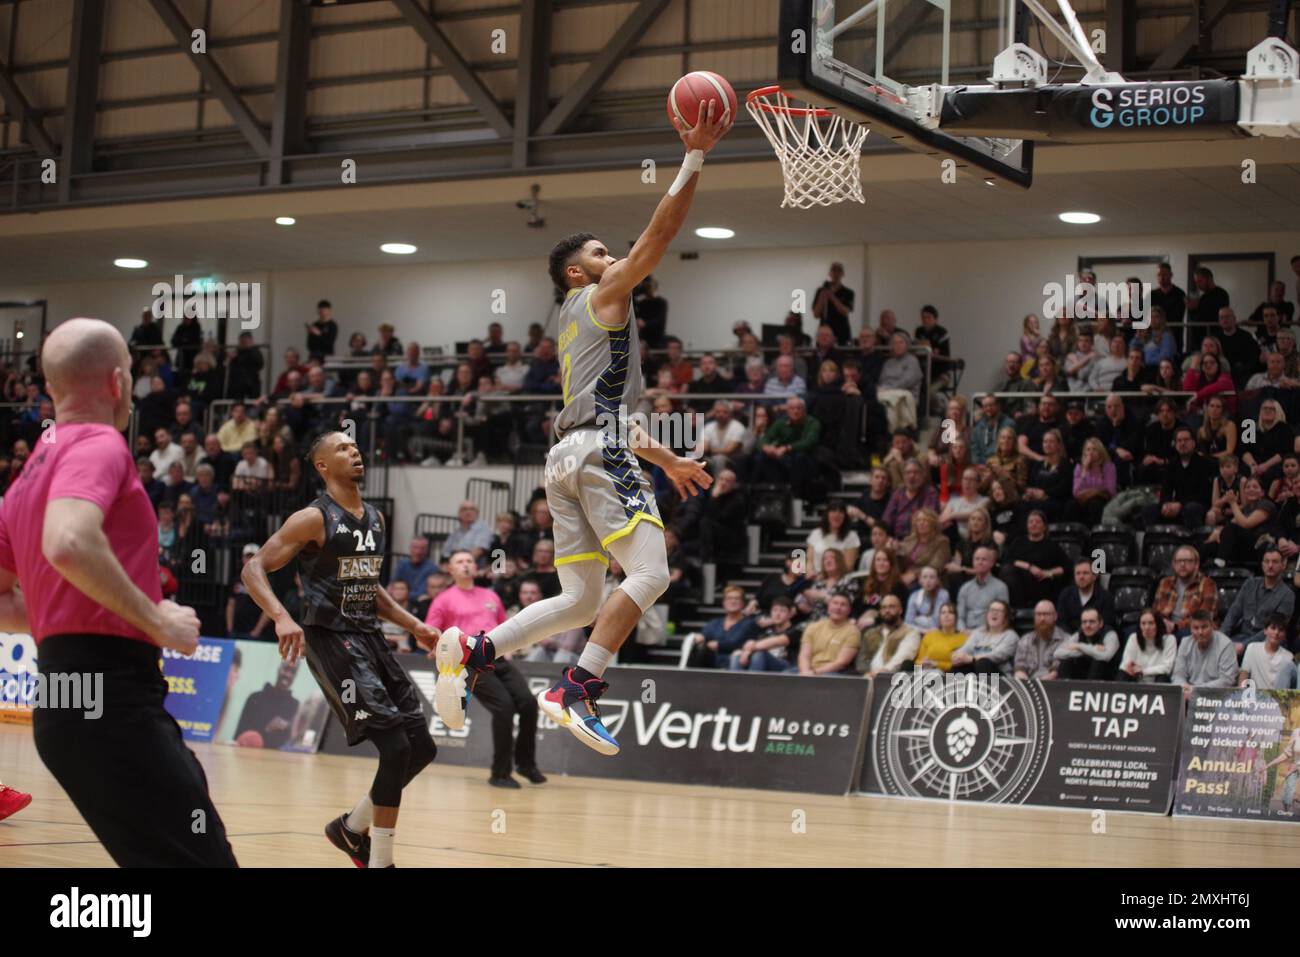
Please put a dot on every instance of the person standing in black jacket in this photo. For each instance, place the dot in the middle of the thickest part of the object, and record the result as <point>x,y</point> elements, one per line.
<point>651,310</point>
<point>187,339</point>
<point>1123,438</point>
<point>148,333</point>
<point>322,333</point>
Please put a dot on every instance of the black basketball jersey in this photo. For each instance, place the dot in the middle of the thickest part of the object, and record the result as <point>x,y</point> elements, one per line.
<point>341,578</point>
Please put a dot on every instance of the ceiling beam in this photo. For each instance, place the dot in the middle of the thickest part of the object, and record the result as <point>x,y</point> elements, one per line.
<point>534,67</point>
<point>599,70</point>
<point>28,119</point>
<point>216,79</point>
<point>1121,35</point>
<point>479,95</point>
<point>289,107</point>
<point>900,30</point>
<point>82,93</point>
<point>1189,38</point>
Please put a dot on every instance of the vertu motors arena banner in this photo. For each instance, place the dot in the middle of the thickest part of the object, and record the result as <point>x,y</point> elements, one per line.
<point>1241,755</point>
<point>680,727</point>
<point>993,739</point>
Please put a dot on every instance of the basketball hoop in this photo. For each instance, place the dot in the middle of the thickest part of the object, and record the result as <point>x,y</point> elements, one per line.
<point>819,150</point>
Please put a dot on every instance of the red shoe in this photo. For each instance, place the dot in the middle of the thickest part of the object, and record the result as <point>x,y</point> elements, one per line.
<point>12,801</point>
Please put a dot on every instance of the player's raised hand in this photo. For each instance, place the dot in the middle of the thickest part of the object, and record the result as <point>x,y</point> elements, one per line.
<point>711,125</point>
<point>289,634</point>
<point>177,628</point>
<point>688,476</point>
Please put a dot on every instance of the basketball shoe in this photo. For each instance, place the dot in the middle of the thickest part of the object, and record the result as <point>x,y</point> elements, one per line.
<point>12,801</point>
<point>354,845</point>
<point>459,659</point>
<point>572,704</point>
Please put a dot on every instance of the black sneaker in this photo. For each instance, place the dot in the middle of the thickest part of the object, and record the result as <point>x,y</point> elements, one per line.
<point>505,782</point>
<point>354,845</point>
<point>534,775</point>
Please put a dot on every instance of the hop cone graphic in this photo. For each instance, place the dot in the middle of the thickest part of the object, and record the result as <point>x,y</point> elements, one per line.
<point>961,737</point>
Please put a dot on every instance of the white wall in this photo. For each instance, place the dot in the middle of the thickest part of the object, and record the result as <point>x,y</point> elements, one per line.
<point>984,290</point>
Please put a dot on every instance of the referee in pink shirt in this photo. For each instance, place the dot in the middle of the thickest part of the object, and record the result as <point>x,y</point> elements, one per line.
<point>503,690</point>
<point>80,536</point>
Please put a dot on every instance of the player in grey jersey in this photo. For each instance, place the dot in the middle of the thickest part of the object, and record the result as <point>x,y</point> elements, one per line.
<point>601,502</point>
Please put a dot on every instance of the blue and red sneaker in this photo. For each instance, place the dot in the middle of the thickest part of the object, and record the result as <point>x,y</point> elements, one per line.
<point>572,704</point>
<point>459,659</point>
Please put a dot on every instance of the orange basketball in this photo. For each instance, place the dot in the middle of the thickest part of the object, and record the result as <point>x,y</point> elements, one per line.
<point>698,88</point>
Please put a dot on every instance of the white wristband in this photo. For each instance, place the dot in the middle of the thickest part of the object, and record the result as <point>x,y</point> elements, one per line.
<point>693,163</point>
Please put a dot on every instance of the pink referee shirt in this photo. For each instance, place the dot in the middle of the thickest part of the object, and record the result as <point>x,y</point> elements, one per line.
<point>470,609</point>
<point>90,462</point>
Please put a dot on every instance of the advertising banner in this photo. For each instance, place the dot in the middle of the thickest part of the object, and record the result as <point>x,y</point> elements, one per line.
<point>1241,755</point>
<point>197,686</point>
<point>993,739</point>
<point>681,727</point>
<point>17,678</point>
<point>271,703</point>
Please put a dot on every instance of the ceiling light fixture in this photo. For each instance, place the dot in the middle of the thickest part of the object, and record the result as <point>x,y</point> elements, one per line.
<point>1079,218</point>
<point>130,263</point>
<point>715,232</point>
<point>398,249</point>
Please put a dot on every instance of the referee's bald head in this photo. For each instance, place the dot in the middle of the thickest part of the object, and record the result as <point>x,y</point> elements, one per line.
<point>87,368</point>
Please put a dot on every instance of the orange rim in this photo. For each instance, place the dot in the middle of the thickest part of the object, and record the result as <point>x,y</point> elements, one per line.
<point>754,95</point>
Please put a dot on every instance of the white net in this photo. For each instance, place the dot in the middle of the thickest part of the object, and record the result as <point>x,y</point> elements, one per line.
<point>819,150</point>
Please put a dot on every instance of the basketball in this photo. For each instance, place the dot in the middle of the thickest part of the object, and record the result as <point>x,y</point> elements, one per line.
<point>698,88</point>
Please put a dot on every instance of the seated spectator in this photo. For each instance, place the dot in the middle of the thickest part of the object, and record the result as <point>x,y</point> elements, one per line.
<point>1268,319</point>
<point>827,581</point>
<point>1006,511</point>
<point>1274,375</point>
<point>1089,654</point>
<point>1012,376</point>
<point>727,634</point>
<point>1217,435</point>
<point>1273,440</point>
<point>723,538</point>
<point>986,429</point>
<point>542,566</point>
<point>976,595</point>
<point>979,534</point>
<point>1149,652</point>
<point>1240,350</point>
<point>902,449</point>
<point>1032,564</point>
<point>889,645</point>
<point>830,645</point>
<point>1032,429</point>
<point>926,545</point>
<point>898,387</point>
<point>471,535</point>
<point>914,494</point>
<point>710,380</point>
<point>1158,444</point>
<point>784,382</point>
<point>175,484</point>
<point>152,486</point>
<point>237,429</point>
<point>1250,526</point>
<point>1205,659</point>
<point>1121,434</point>
<point>1260,598</point>
<point>1287,485</point>
<point>1051,478</point>
<point>955,425</point>
<point>834,532</point>
<point>165,452</point>
<point>753,378</point>
<point>1157,342</point>
<point>721,439</point>
<point>681,368</point>
<point>1086,592</point>
<point>938,644</point>
<point>991,645</point>
<point>1276,302</point>
<point>191,455</point>
<point>785,453</point>
<point>1268,663</point>
<point>1095,484</point>
<point>1078,428</point>
<point>510,375</point>
<point>1186,591</point>
<point>244,619</point>
<point>769,650</point>
<point>1207,380</point>
<point>1188,477</point>
<point>204,492</point>
<point>397,637</point>
<point>434,585</point>
<point>884,579</point>
<point>1080,361</point>
<point>411,372</point>
<point>1036,651</point>
<point>956,514</point>
<point>1007,462</point>
<point>253,473</point>
<point>387,344</point>
<point>789,583</point>
<point>293,367</point>
<point>923,604</point>
<point>786,345</point>
<point>952,468</point>
<point>222,462</point>
<point>1118,370</point>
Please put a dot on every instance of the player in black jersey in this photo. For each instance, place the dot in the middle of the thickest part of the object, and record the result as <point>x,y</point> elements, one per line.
<point>339,541</point>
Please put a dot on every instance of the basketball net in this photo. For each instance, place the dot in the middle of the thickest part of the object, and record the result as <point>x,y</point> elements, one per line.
<point>819,150</point>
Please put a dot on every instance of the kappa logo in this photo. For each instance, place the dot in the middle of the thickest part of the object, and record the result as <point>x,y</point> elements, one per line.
<point>632,501</point>
<point>361,716</point>
<point>342,528</point>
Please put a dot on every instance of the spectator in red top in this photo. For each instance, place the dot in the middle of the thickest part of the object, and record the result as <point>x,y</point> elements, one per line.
<point>292,363</point>
<point>683,371</point>
<point>1207,380</point>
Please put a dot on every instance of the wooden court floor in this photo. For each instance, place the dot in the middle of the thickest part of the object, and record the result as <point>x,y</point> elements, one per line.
<point>275,805</point>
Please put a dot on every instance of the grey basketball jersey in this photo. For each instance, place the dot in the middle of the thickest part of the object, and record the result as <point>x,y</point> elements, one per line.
<point>600,365</point>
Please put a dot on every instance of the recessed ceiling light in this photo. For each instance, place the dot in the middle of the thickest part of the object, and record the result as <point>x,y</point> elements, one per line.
<point>130,263</point>
<point>398,249</point>
<point>990,182</point>
<point>285,220</point>
<point>1079,218</point>
<point>715,232</point>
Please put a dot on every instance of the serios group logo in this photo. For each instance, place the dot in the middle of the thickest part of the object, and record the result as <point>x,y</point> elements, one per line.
<point>18,676</point>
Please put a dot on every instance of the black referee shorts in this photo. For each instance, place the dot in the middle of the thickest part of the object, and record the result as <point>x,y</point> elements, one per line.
<point>362,681</point>
<point>128,771</point>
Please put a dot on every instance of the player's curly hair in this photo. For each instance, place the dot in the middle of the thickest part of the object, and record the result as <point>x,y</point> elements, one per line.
<point>562,253</point>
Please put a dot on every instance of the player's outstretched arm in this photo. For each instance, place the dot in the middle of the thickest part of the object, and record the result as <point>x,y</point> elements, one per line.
<point>389,610</point>
<point>73,541</point>
<point>618,281</point>
<point>689,476</point>
<point>305,525</point>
